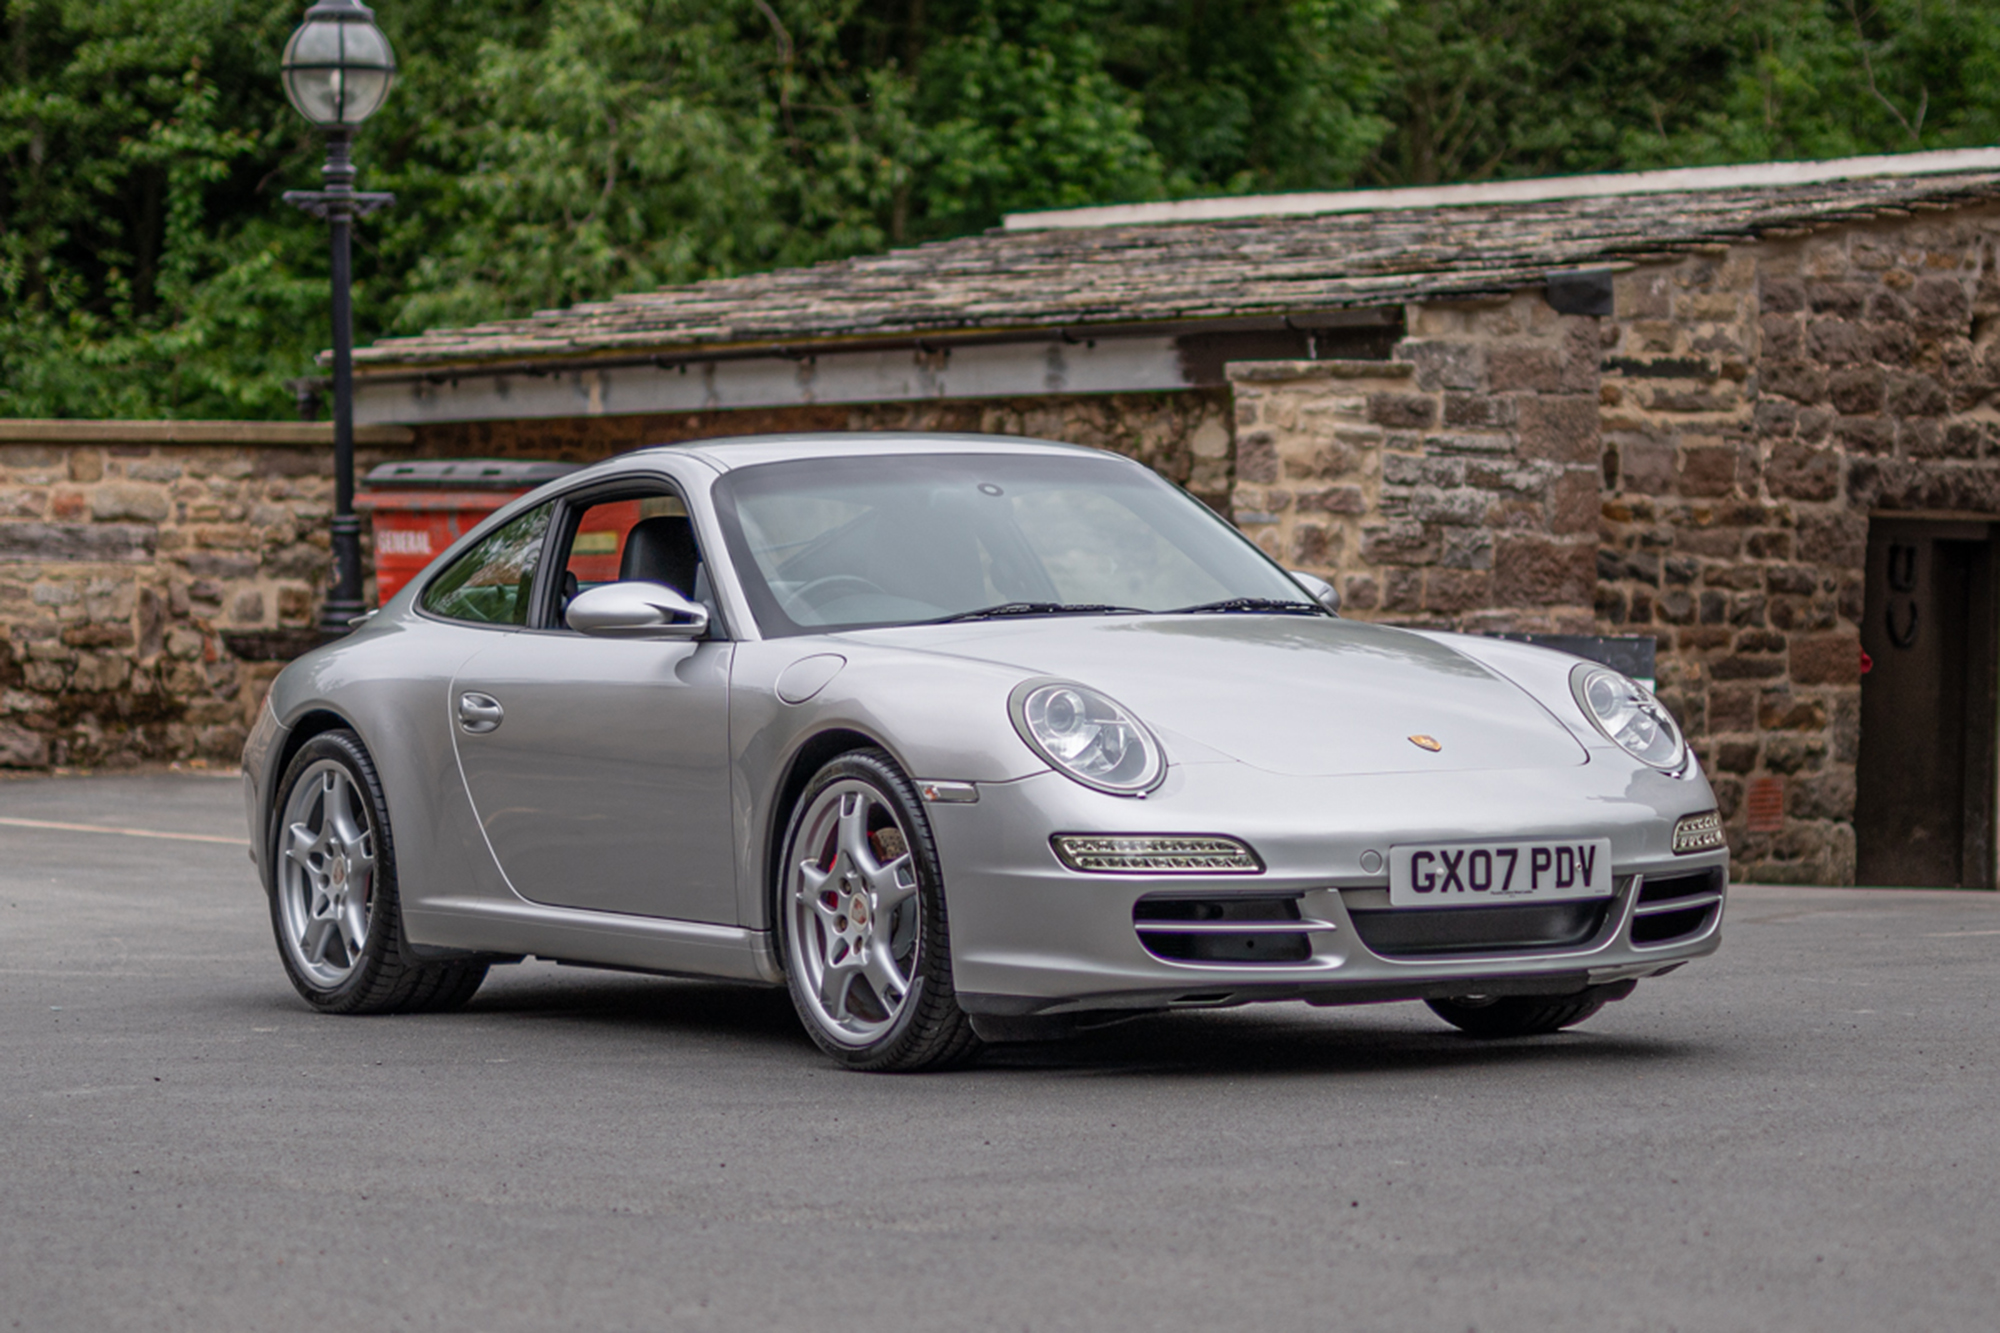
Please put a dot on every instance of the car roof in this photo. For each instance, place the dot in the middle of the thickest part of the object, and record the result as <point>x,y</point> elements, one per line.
<point>750,450</point>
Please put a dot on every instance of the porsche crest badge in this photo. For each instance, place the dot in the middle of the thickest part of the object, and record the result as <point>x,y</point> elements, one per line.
<point>1430,743</point>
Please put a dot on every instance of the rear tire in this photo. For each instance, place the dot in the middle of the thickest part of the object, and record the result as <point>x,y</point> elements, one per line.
<point>334,904</point>
<point>1524,1015</point>
<point>861,917</point>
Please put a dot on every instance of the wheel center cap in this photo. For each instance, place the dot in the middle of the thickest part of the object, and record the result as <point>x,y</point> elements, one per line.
<point>337,872</point>
<point>857,911</point>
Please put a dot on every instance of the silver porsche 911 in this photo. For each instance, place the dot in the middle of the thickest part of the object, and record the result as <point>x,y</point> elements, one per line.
<point>962,739</point>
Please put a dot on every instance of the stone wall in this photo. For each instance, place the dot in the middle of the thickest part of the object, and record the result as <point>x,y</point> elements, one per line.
<point>153,577</point>
<point>1456,485</point>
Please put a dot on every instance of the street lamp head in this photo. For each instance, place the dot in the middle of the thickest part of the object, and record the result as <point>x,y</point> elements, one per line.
<point>338,67</point>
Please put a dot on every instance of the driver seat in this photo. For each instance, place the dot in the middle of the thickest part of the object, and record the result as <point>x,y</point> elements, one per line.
<point>662,550</point>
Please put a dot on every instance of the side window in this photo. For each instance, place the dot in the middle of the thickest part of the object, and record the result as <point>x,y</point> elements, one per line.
<point>490,583</point>
<point>646,537</point>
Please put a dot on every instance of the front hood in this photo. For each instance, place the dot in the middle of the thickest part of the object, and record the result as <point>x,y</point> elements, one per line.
<point>1293,695</point>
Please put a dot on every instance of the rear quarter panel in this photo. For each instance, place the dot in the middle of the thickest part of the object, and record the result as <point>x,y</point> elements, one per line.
<point>390,683</point>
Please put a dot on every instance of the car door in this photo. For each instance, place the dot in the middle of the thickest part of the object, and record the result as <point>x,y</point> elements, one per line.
<point>600,767</point>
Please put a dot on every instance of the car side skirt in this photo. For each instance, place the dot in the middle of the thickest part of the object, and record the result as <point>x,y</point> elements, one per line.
<point>600,939</point>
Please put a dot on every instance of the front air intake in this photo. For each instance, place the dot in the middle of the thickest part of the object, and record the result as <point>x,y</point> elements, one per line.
<point>1256,931</point>
<point>1434,932</point>
<point>1676,907</point>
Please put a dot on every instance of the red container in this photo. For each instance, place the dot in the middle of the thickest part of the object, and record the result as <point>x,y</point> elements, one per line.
<point>600,540</point>
<point>419,508</point>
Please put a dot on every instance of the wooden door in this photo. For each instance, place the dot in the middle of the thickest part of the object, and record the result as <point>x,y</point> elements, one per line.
<point>1924,789</point>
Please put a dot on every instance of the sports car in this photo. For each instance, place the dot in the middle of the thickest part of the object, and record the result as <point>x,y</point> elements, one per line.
<point>962,739</point>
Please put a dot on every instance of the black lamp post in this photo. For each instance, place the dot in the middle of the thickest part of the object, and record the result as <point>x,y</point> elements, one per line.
<point>338,69</point>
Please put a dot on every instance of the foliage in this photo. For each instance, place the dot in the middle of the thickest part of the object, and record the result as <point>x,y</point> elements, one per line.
<point>119,295</point>
<point>545,152</point>
<point>1487,88</point>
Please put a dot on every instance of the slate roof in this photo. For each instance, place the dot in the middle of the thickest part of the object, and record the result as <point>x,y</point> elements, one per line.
<point>1089,278</point>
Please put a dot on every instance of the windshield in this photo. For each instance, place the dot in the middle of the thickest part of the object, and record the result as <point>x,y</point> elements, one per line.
<point>844,543</point>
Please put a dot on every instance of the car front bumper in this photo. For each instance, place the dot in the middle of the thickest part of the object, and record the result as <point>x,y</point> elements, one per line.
<point>1030,936</point>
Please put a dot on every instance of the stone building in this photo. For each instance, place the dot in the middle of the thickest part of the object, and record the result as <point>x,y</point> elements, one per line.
<point>1747,411</point>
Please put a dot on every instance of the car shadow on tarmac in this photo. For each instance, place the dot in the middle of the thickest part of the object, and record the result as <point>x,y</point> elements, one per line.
<point>1268,1039</point>
<point>1296,1040</point>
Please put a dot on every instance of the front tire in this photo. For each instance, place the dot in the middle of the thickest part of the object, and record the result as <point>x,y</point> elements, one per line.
<point>862,915</point>
<point>334,904</point>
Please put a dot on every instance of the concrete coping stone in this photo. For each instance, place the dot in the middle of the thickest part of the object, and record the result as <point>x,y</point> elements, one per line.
<point>1240,371</point>
<point>256,434</point>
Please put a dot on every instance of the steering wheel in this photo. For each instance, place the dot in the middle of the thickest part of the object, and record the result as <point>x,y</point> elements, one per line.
<point>852,582</point>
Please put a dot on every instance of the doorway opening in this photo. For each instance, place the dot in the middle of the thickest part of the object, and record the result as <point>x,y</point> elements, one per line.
<point>1924,786</point>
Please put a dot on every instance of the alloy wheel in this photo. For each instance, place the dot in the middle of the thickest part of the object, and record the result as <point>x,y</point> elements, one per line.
<point>852,897</point>
<point>326,873</point>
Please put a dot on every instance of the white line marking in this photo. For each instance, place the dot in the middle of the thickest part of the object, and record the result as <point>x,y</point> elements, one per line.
<point>124,832</point>
<point>1959,934</point>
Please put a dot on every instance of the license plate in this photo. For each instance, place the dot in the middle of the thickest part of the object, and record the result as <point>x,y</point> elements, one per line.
<point>1483,874</point>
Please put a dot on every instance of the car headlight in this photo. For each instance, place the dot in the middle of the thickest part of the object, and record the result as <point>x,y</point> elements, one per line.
<point>1627,712</point>
<point>1088,737</point>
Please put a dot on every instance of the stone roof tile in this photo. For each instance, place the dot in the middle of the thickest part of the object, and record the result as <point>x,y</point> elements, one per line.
<point>1082,278</point>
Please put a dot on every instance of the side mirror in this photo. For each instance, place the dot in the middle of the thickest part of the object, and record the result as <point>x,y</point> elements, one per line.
<point>636,611</point>
<point>1318,589</point>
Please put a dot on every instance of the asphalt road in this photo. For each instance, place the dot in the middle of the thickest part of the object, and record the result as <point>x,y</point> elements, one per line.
<point>1799,1133</point>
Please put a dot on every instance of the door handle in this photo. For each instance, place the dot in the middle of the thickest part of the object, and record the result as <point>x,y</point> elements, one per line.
<point>479,713</point>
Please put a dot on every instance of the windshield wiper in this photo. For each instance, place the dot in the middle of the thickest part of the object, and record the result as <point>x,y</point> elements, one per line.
<point>1250,604</point>
<point>1036,609</point>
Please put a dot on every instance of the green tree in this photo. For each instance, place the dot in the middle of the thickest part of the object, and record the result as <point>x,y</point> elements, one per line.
<point>632,143</point>
<point>125,134</point>
<point>1831,80</point>
<point>1020,113</point>
<point>545,152</point>
<point>1253,95</point>
<point>1488,88</point>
